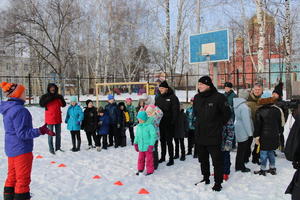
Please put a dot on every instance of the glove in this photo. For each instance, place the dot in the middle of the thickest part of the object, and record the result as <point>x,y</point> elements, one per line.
<point>150,149</point>
<point>136,147</point>
<point>45,130</point>
<point>296,164</point>
<point>78,122</point>
<point>118,125</point>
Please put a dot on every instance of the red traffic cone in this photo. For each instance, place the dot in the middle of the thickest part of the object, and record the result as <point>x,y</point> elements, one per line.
<point>96,177</point>
<point>39,157</point>
<point>62,165</point>
<point>119,183</point>
<point>52,162</point>
<point>143,191</point>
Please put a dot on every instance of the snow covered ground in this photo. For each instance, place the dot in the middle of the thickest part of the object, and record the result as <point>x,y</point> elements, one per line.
<point>75,181</point>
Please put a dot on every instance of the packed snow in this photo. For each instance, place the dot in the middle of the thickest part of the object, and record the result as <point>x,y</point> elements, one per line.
<point>76,179</point>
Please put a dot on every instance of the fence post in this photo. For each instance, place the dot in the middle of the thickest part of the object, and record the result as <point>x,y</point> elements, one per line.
<point>29,88</point>
<point>238,81</point>
<point>187,86</point>
<point>78,88</point>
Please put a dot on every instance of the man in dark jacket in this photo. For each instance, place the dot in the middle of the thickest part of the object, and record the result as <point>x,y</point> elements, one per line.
<point>168,102</point>
<point>212,112</point>
<point>113,113</point>
<point>52,102</point>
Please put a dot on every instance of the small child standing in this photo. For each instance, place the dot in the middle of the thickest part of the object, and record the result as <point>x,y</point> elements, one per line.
<point>103,129</point>
<point>144,143</point>
<point>73,119</point>
<point>90,123</point>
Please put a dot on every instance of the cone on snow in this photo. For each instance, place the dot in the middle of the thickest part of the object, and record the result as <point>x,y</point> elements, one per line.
<point>52,162</point>
<point>119,183</point>
<point>96,177</point>
<point>143,191</point>
<point>62,165</point>
<point>39,157</point>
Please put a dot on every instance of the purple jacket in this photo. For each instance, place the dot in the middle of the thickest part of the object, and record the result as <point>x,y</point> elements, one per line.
<point>19,133</point>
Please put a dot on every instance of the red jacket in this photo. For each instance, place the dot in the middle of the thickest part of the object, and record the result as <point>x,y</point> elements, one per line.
<point>53,112</point>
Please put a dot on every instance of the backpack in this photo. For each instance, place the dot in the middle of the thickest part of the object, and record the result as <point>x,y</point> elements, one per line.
<point>127,117</point>
<point>293,140</point>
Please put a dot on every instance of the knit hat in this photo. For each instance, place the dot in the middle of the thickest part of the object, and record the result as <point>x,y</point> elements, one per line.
<point>73,99</point>
<point>266,95</point>
<point>142,115</point>
<point>110,97</point>
<point>88,101</point>
<point>128,100</point>
<point>278,89</point>
<point>206,80</point>
<point>12,89</point>
<point>228,84</point>
<point>164,84</point>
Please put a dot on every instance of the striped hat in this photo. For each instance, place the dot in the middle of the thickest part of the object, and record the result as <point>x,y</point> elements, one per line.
<point>12,90</point>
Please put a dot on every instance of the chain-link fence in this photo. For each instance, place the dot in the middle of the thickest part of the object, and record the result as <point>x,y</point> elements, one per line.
<point>84,87</point>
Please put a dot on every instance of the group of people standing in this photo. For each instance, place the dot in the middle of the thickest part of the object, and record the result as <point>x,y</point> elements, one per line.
<point>213,123</point>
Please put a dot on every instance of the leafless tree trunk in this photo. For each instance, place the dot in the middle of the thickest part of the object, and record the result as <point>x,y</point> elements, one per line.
<point>288,48</point>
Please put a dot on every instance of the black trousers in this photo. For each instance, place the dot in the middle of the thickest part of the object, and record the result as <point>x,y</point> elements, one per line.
<point>89,136</point>
<point>131,131</point>
<point>155,155</point>
<point>166,139</point>
<point>98,141</point>
<point>217,159</point>
<point>241,155</point>
<point>191,140</point>
<point>113,132</point>
<point>76,136</point>
<point>179,141</point>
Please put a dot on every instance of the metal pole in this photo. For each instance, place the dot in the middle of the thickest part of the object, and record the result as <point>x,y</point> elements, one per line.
<point>187,86</point>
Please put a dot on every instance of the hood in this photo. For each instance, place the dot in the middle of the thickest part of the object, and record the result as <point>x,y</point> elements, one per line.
<point>52,85</point>
<point>252,97</point>
<point>238,101</point>
<point>266,101</point>
<point>6,105</point>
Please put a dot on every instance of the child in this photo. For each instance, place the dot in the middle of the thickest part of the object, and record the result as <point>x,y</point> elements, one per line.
<point>269,120</point>
<point>155,114</point>
<point>19,135</point>
<point>144,143</point>
<point>73,119</point>
<point>132,118</point>
<point>103,128</point>
<point>90,123</point>
<point>191,129</point>
<point>141,105</point>
<point>180,132</point>
<point>112,110</point>
<point>122,121</point>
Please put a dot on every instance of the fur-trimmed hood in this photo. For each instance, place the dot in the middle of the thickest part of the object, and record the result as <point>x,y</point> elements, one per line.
<point>266,101</point>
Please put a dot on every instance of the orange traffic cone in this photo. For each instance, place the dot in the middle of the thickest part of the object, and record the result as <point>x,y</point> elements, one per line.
<point>119,183</point>
<point>39,157</point>
<point>52,162</point>
<point>96,177</point>
<point>62,165</point>
<point>143,191</point>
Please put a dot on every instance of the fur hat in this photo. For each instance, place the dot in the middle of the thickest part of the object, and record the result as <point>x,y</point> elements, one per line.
<point>12,90</point>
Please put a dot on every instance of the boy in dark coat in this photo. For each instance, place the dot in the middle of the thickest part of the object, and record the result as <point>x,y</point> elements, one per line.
<point>103,128</point>
<point>19,135</point>
<point>112,110</point>
<point>122,122</point>
<point>269,121</point>
<point>52,102</point>
<point>212,112</point>
<point>90,123</point>
<point>168,102</point>
<point>180,133</point>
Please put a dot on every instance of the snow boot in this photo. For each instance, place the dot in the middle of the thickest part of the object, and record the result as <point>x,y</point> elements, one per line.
<point>148,174</point>
<point>189,153</point>
<point>52,152</point>
<point>225,177</point>
<point>272,171</point>
<point>9,193</point>
<point>260,172</point>
<point>162,160</point>
<point>206,181</point>
<point>217,187</point>
<point>60,150</point>
<point>23,196</point>
<point>182,158</point>
<point>138,173</point>
<point>73,149</point>
<point>170,163</point>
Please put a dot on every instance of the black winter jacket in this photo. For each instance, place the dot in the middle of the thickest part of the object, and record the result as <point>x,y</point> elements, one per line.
<point>267,126</point>
<point>90,121</point>
<point>212,112</point>
<point>48,97</point>
<point>182,126</point>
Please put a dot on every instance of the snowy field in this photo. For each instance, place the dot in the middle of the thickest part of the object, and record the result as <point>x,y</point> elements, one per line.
<point>76,180</point>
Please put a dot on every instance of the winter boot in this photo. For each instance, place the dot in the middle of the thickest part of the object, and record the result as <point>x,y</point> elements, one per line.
<point>148,174</point>
<point>23,196</point>
<point>182,158</point>
<point>260,172</point>
<point>206,181</point>
<point>217,187</point>
<point>272,171</point>
<point>189,152</point>
<point>161,160</point>
<point>170,163</point>
<point>9,193</point>
<point>52,152</point>
<point>138,173</point>
<point>73,149</point>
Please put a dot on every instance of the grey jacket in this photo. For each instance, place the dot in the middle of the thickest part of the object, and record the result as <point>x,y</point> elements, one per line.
<point>243,122</point>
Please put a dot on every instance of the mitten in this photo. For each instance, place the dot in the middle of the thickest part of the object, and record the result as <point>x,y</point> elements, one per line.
<point>136,147</point>
<point>45,130</point>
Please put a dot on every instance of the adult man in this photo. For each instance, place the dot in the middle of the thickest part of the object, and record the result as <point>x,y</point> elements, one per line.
<point>169,104</point>
<point>212,112</point>
<point>113,112</point>
<point>252,102</point>
<point>52,102</point>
